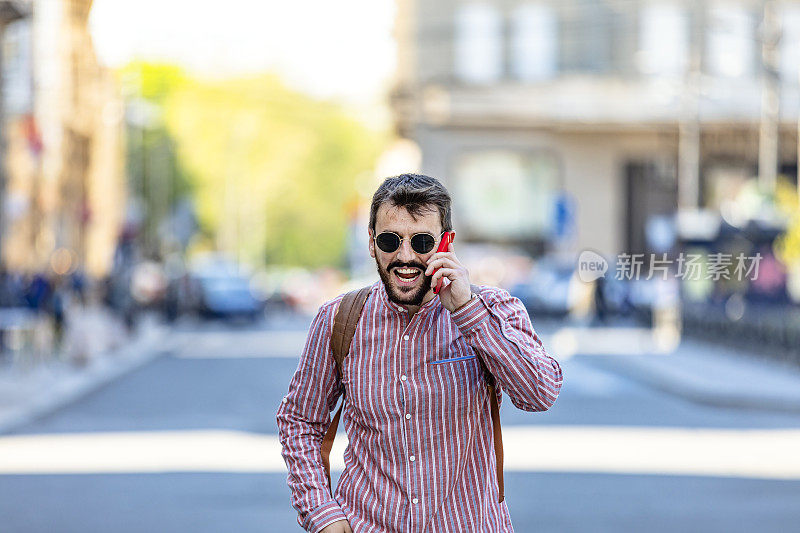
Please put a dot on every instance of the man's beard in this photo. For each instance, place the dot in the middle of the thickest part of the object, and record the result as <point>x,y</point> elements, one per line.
<point>411,297</point>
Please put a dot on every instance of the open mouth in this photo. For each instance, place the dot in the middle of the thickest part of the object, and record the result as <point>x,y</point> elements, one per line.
<point>407,276</point>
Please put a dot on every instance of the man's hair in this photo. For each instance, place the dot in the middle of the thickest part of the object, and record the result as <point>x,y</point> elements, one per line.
<point>416,193</point>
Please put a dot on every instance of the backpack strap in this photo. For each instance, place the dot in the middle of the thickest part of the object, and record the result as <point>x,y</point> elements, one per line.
<point>344,328</point>
<point>497,431</point>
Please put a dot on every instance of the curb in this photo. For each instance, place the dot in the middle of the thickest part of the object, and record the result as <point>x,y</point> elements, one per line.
<point>638,369</point>
<point>107,367</point>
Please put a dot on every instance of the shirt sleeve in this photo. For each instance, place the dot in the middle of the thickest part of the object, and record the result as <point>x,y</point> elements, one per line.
<point>303,418</point>
<point>498,326</point>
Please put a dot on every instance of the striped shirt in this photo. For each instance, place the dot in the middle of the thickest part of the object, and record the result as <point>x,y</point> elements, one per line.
<point>420,455</point>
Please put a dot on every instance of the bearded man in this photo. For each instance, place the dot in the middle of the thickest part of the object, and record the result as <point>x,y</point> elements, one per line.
<point>420,454</point>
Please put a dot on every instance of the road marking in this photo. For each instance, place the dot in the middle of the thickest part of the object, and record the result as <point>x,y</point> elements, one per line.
<point>563,342</point>
<point>738,453</point>
<point>245,344</point>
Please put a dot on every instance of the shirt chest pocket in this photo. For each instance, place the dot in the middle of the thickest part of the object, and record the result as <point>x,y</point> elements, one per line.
<point>456,351</point>
<point>455,375</point>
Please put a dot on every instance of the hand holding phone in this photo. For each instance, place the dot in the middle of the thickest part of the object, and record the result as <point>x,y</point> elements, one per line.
<point>447,238</point>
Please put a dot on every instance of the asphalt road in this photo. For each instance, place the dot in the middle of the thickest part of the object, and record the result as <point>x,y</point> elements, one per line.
<point>187,443</point>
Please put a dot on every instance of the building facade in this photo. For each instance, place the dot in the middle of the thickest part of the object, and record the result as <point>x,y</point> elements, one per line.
<point>577,123</point>
<point>65,193</point>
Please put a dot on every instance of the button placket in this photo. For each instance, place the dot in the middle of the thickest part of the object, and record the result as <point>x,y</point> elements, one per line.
<point>406,356</point>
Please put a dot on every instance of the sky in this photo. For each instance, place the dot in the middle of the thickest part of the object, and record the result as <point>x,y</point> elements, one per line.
<point>342,50</point>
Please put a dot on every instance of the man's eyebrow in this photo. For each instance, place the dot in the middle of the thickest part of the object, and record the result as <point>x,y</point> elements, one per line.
<point>410,234</point>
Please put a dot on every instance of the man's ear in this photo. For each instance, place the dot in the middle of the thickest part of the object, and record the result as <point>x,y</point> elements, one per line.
<point>371,244</point>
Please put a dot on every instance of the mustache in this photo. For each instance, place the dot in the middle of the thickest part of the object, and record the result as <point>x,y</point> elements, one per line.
<point>398,264</point>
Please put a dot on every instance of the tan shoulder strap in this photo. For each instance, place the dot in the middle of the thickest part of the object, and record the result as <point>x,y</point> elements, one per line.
<point>344,328</point>
<point>495,410</point>
<point>345,322</point>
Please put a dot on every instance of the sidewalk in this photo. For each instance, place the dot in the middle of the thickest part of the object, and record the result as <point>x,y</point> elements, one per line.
<point>97,352</point>
<point>698,371</point>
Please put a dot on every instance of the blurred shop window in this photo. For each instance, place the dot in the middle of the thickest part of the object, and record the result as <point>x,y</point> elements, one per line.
<point>505,195</point>
<point>479,43</point>
<point>731,41</point>
<point>663,40</point>
<point>534,43</point>
<point>790,44</point>
<point>591,35</point>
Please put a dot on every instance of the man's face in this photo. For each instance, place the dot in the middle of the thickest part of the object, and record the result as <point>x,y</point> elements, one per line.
<point>403,271</point>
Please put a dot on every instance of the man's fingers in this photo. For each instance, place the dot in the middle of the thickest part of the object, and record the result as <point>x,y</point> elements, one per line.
<point>441,262</point>
<point>442,272</point>
<point>451,255</point>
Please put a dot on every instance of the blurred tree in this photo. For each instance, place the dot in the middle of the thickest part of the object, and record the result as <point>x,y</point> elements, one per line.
<point>153,81</point>
<point>273,169</point>
<point>156,177</point>
<point>787,245</point>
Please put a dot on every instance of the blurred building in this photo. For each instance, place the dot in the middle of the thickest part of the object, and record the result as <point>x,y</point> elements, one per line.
<point>64,199</point>
<point>10,12</point>
<point>577,122</point>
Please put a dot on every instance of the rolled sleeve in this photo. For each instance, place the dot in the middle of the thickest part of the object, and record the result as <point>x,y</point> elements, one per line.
<point>322,516</point>
<point>498,326</point>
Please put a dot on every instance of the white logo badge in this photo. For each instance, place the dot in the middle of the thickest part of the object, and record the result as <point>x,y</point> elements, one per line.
<point>591,266</point>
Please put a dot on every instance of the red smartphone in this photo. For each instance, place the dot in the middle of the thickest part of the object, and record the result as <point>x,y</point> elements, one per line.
<point>447,238</point>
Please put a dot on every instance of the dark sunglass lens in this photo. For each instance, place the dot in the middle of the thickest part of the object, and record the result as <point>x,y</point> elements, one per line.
<point>422,243</point>
<point>388,242</point>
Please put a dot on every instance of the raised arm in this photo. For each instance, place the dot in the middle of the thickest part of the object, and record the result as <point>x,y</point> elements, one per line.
<point>498,326</point>
<point>303,417</point>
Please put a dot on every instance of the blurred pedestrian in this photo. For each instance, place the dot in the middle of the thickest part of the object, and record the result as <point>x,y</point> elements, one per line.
<point>38,292</point>
<point>78,283</point>
<point>57,308</point>
<point>600,303</point>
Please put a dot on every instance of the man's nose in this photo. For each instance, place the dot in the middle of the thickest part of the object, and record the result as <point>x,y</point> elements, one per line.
<point>406,253</point>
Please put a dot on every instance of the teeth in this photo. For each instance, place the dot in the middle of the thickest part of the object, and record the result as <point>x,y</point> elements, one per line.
<point>407,270</point>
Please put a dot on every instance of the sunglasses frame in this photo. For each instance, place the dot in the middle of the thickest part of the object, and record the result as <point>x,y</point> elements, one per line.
<point>375,240</point>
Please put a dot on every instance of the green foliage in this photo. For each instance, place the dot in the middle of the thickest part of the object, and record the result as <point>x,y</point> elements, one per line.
<point>787,245</point>
<point>155,174</point>
<point>273,170</point>
<point>152,81</point>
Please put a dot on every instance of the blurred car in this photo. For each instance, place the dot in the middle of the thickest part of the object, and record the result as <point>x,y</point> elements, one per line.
<point>616,295</point>
<point>227,296</point>
<point>554,289</point>
<point>648,295</point>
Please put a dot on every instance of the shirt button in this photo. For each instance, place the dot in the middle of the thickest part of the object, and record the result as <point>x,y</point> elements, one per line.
<point>415,500</point>
<point>403,377</point>
<point>412,458</point>
<point>285,399</point>
<point>405,337</point>
<point>408,415</point>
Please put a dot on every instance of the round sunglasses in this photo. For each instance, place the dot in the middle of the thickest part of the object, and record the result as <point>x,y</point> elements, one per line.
<point>422,243</point>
